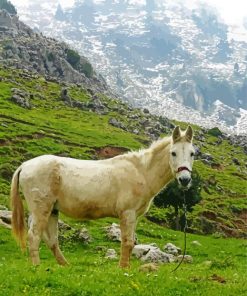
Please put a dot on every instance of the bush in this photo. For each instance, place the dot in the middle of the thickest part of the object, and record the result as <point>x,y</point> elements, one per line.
<point>87,69</point>
<point>216,132</point>
<point>73,58</point>
<point>173,196</point>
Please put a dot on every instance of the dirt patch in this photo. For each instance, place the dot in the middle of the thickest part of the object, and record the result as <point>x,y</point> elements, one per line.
<point>217,166</point>
<point>109,152</point>
<point>4,142</point>
<point>243,215</point>
<point>209,215</point>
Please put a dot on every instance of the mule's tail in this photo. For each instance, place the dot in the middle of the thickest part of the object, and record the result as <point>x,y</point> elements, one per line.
<point>18,218</point>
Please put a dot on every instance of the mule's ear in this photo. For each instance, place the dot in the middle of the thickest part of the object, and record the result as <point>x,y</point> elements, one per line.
<point>176,134</point>
<point>189,134</point>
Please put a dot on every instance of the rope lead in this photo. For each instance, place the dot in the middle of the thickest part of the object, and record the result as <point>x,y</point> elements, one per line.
<point>185,228</point>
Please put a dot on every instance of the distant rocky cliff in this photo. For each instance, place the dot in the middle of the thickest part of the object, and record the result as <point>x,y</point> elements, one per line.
<point>22,48</point>
<point>161,54</point>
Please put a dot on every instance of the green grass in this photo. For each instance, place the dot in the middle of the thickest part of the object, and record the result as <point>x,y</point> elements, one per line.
<point>89,273</point>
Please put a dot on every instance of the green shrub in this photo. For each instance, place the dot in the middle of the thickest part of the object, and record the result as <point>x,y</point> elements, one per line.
<point>73,58</point>
<point>87,69</point>
<point>173,196</point>
<point>215,131</point>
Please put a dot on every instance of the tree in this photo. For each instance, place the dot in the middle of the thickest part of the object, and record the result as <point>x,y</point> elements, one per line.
<point>173,196</point>
<point>8,6</point>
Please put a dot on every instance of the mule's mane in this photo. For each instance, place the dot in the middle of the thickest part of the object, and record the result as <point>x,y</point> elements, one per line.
<point>145,155</point>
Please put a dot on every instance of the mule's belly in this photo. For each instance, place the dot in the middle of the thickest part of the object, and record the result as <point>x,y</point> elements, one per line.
<point>85,210</point>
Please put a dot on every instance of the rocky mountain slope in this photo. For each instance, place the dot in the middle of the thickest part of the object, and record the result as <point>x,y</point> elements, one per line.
<point>23,48</point>
<point>164,56</point>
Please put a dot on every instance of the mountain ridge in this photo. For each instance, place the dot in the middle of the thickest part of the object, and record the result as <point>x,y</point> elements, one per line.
<point>174,61</point>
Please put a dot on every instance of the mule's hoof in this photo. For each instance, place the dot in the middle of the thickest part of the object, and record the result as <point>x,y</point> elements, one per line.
<point>63,262</point>
<point>124,265</point>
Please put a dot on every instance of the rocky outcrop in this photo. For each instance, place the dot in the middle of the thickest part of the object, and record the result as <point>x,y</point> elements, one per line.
<point>151,253</point>
<point>23,48</point>
<point>21,98</point>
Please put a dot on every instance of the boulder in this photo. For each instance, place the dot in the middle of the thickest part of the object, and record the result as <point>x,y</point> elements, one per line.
<point>84,236</point>
<point>63,226</point>
<point>20,97</point>
<point>111,254</point>
<point>141,250</point>
<point>187,258</point>
<point>172,249</point>
<point>113,232</point>
<point>116,123</point>
<point>5,218</point>
<point>157,256</point>
<point>23,102</point>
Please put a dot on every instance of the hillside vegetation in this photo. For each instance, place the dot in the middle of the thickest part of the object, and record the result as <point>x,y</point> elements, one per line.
<point>89,126</point>
<point>39,117</point>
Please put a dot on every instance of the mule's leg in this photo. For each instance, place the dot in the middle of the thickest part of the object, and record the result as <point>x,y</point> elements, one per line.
<point>127,225</point>
<point>38,224</point>
<point>50,237</point>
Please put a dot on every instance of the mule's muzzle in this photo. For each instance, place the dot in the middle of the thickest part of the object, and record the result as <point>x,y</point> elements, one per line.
<point>184,181</point>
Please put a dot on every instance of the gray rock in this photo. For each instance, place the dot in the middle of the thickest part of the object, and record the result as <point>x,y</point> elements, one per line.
<point>84,236</point>
<point>63,226</point>
<point>111,254</point>
<point>116,123</point>
<point>113,232</point>
<point>207,156</point>
<point>6,216</point>
<point>20,97</point>
<point>187,258</point>
<point>157,256</point>
<point>141,250</point>
<point>172,249</point>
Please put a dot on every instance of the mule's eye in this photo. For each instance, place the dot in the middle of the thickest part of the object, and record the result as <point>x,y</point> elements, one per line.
<point>192,154</point>
<point>174,153</point>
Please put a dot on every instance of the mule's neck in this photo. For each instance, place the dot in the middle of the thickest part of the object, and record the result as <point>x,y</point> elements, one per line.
<point>158,171</point>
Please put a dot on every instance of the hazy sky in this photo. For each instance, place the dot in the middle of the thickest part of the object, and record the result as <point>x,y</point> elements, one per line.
<point>231,11</point>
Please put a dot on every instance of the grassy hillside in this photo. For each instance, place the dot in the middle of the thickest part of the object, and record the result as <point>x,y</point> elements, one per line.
<point>219,267</point>
<point>52,126</point>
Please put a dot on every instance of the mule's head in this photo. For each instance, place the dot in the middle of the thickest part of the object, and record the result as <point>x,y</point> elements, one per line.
<point>182,155</point>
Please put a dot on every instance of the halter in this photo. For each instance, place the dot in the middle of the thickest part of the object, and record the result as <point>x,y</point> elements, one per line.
<point>183,168</point>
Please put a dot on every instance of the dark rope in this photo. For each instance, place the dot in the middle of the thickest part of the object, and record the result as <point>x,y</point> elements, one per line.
<point>185,228</point>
